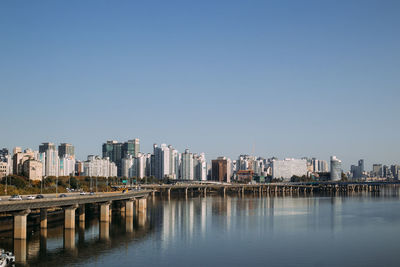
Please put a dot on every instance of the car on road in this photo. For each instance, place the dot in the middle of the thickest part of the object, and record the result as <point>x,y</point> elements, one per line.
<point>124,191</point>
<point>39,196</point>
<point>82,193</point>
<point>62,195</point>
<point>30,197</point>
<point>91,193</point>
<point>15,198</point>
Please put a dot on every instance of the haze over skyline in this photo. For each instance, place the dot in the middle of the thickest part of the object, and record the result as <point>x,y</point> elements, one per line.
<point>289,78</point>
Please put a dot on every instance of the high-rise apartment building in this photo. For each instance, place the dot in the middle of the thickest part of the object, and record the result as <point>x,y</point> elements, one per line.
<point>165,165</point>
<point>287,168</point>
<point>187,168</point>
<point>336,169</point>
<point>95,166</point>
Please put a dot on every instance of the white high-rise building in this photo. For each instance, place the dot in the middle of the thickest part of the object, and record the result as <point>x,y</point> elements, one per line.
<point>67,165</point>
<point>52,163</point>
<point>165,161</point>
<point>187,167</point>
<point>127,166</point>
<point>200,167</point>
<point>95,166</point>
<point>140,165</point>
<point>288,167</point>
<point>336,169</point>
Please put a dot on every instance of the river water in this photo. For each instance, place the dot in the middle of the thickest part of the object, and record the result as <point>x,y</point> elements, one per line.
<point>361,229</point>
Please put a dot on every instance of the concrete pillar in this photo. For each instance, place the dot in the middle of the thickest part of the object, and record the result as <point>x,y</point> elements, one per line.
<point>205,191</point>
<point>141,205</point>
<point>105,212</point>
<point>69,217</point>
<point>43,218</point>
<point>153,194</point>
<point>186,192</point>
<point>69,238</point>
<point>81,213</point>
<point>20,224</point>
<point>20,250</point>
<point>129,208</point>
<point>169,192</point>
<point>224,190</point>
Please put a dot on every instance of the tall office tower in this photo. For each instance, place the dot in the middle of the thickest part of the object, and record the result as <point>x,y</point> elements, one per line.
<point>377,170</point>
<point>131,147</point>
<point>361,166</point>
<point>3,155</point>
<point>66,150</point>
<point>395,169</point>
<point>113,150</point>
<point>187,167</point>
<point>357,171</point>
<point>387,173</point>
<point>116,151</point>
<point>47,146</point>
<point>221,169</point>
<point>336,169</point>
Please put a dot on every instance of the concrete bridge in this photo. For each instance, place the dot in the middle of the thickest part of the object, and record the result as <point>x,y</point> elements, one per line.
<point>204,188</point>
<point>21,208</point>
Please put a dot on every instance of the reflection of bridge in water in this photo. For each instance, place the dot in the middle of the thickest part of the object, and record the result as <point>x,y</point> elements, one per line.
<point>80,245</point>
<point>132,205</point>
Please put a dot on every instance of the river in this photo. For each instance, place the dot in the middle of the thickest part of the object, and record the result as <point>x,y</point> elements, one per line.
<point>360,229</point>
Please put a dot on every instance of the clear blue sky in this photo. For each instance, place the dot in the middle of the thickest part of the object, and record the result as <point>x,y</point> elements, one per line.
<point>291,78</point>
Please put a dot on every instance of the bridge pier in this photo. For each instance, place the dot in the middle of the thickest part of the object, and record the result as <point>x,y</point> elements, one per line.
<point>105,212</point>
<point>129,208</point>
<point>20,224</point>
<point>69,217</point>
<point>43,218</point>
<point>81,211</point>
<point>205,191</point>
<point>186,192</point>
<point>224,191</point>
<point>169,192</point>
<point>141,205</point>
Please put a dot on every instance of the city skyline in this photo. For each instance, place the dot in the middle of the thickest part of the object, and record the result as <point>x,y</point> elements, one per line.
<point>307,79</point>
<point>366,166</point>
